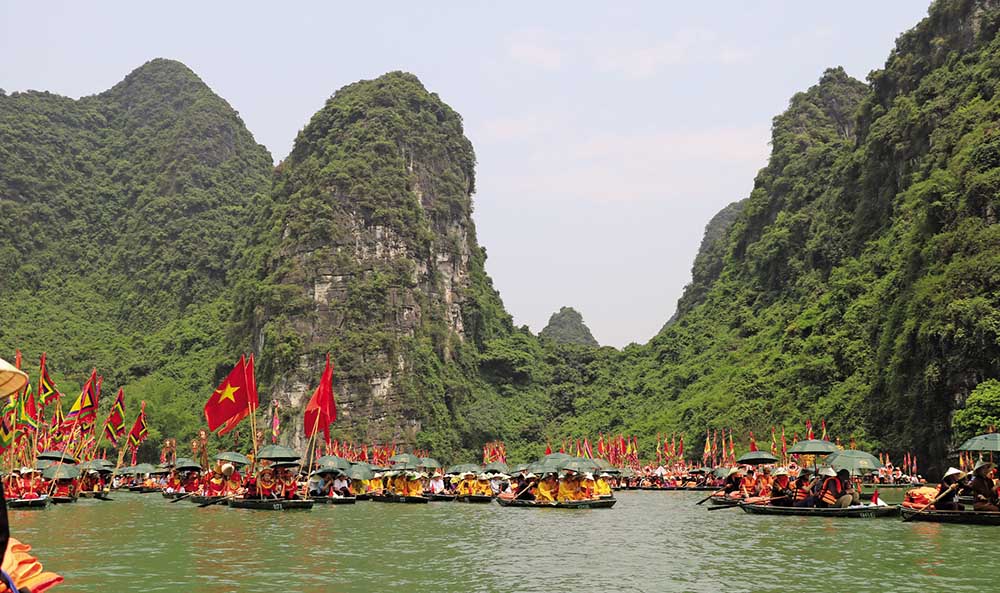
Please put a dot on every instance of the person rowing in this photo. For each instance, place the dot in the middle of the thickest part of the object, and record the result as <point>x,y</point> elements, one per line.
<point>731,488</point>
<point>948,491</point>
<point>983,489</point>
<point>836,491</point>
<point>802,490</point>
<point>547,488</point>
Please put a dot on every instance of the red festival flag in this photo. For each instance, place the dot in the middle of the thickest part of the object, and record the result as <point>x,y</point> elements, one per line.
<point>232,401</point>
<point>46,386</point>
<point>322,409</point>
<point>139,430</point>
<point>753,443</point>
<point>84,409</point>
<point>114,426</point>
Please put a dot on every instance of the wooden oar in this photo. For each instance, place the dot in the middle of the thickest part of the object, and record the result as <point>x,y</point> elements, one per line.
<point>707,497</point>
<point>173,500</point>
<point>931,503</point>
<point>216,501</point>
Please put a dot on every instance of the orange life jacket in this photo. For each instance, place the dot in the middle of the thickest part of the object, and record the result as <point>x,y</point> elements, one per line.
<point>831,491</point>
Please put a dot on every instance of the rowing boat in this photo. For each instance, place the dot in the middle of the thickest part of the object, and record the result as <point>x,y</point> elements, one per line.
<point>606,503</point>
<point>173,495</point>
<point>701,488</point>
<point>270,504</point>
<point>965,517</point>
<point>442,497</point>
<point>721,500</point>
<point>28,503</point>
<point>857,512</point>
<point>398,498</point>
<point>198,499</point>
<point>334,499</point>
<point>62,499</point>
<point>474,498</point>
<point>143,489</point>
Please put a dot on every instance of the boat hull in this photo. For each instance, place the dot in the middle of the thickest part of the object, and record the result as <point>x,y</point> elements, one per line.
<point>271,504</point>
<point>961,517</point>
<point>334,499</point>
<point>474,498</point>
<point>442,497</point>
<point>400,499</point>
<point>604,503</point>
<point>866,512</point>
<point>28,503</point>
<point>62,499</point>
<point>206,499</point>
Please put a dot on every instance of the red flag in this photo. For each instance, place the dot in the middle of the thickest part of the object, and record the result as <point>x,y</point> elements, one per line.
<point>139,430</point>
<point>875,496</point>
<point>114,426</point>
<point>232,401</point>
<point>809,430</point>
<point>774,443</point>
<point>823,424</point>
<point>321,409</point>
<point>753,443</point>
<point>46,386</point>
<point>680,448</point>
<point>84,409</point>
<point>548,447</point>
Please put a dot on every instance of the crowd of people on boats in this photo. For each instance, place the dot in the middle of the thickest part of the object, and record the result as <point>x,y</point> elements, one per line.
<point>793,487</point>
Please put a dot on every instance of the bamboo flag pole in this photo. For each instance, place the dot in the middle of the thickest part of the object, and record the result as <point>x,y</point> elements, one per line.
<point>311,452</point>
<point>69,442</point>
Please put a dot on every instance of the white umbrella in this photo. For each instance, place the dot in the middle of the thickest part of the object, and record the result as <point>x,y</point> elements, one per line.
<point>12,379</point>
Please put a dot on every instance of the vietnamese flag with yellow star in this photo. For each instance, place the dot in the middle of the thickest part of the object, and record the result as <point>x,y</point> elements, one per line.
<point>233,400</point>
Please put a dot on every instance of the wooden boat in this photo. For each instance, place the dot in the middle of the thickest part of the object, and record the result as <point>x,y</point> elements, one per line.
<point>173,495</point>
<point>62,499</point>
<point>442,497</point>
<point>334,499</point>
<point>198,499</point>
<point>143,489</point>
<point>398,498</point>
<point>661,488</point>
<point>271,504</point>
<point>606,503</point>
<point>964,517</point>
<point>474,498</point>
<point>94,494</point>
<point>363,496</point>
<point>720,500</point>
<point>858,512</point>
<point>701,488</point>
<point>28,503</point>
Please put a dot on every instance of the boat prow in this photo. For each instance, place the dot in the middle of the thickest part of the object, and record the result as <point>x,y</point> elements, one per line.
<point>600,503</point>
<point>28,503</point>
<point>963,517</point>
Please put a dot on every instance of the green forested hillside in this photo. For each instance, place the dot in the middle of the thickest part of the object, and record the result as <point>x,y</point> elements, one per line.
<point>123,214</point>
<point>566,325</point>
<point>859,282</point>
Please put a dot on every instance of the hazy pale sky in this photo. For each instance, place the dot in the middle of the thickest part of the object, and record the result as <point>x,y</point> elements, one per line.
<point>607,133</point>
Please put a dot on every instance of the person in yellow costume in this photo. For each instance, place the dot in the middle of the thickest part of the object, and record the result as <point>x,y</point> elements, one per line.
<point>483,486</point>
<point>601,486</point>
<point>413,485</point>
<point>588,487</point>
<point>467,486</point>
<point>569,488</point>
<point>546,489</point>
<point>399,484</point>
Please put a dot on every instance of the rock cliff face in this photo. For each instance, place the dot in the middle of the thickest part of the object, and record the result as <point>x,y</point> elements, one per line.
<point>371,256</point>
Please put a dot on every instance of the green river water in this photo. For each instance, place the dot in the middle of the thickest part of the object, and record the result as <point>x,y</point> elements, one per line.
<point>650,541</point>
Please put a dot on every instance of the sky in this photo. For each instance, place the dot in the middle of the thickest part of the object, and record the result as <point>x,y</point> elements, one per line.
<point>607,134</point>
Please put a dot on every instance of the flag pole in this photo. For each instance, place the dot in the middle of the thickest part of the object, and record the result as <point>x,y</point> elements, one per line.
<point>69,442</point>
<point>311,451</point>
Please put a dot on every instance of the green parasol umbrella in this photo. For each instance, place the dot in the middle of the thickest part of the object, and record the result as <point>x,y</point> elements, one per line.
<point>187,466</point>
<point>330,469</point>
<point>97,465</point>
<point>327,461</point>
<point>360,473</point>
<point>143,468</point>
<point>404,458</point>
<point>602,463</point>
<point>557,456</point>
<point>464,467</point>
<point>57,456</point>
<point>278,453</point>
<point>405,466</point>
<point>61,471</point>
<point>231,457</point>
<point>578,465</point>
<point>721,472</point>
<point>429,463</point>
<point>857,462</point>
<point>757,458</point>
<point>497,467</point>
<point>813,447</point>
<point>627,472</point>
<point>983,442</point>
